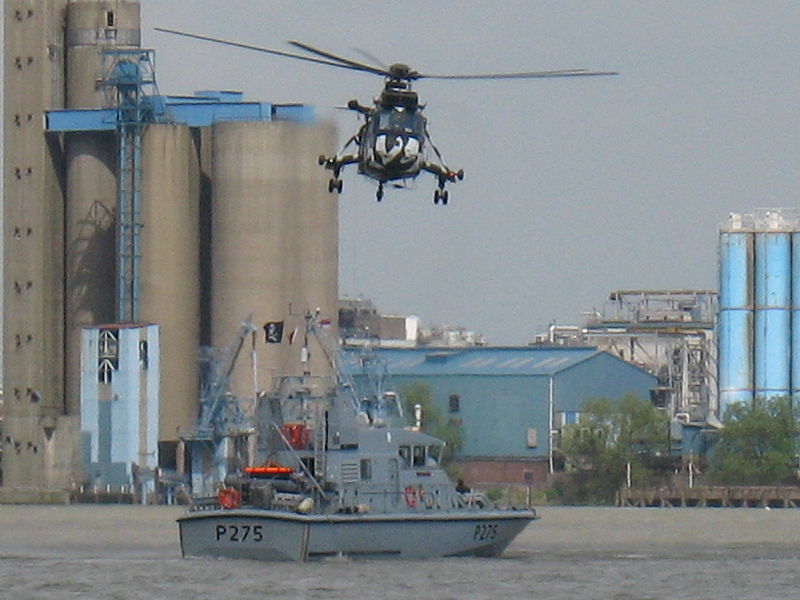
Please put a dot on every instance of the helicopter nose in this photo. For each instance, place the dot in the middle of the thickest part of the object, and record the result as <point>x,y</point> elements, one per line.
<point>388,148</point>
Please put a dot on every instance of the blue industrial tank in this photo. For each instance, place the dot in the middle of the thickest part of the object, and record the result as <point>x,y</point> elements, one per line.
<point>795,358</point>
<point>772,330</point>
<point>735,328</point>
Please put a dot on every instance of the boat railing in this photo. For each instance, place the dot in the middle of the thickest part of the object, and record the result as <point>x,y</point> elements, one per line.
<point>304,468</point>
<point>204,503</point>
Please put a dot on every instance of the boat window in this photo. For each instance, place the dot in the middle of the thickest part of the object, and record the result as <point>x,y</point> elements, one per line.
<point>366,469</point>
<point>405,454</point>
<point>434,455</point>
<point>419,456</point>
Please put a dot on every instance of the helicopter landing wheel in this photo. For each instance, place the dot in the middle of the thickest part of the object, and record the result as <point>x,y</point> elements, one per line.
<point>460,174</point>
<point>335,185</point>
<point>444,196</point>
<point>440,195</point>
<point>379,193</point>
<point>322,159</point>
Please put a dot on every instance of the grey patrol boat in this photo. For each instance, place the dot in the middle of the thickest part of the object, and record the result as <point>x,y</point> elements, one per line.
<point>343,476</point>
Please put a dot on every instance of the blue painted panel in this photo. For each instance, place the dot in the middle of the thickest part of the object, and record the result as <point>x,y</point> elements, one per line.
<point>772,329</point>
<point>81,120</point>
<point>89,392</point>
<point>297,113</point>
<point>203,114</point>
<point>193,111</point>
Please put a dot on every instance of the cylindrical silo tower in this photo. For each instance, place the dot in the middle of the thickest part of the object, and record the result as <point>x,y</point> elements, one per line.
<point>170,278</point>
<point>92,26</point>
<point>772,329</point>
<point>317,242</point>
<point>735,333</point>
<point>795,360</point>
<point>271,233</point>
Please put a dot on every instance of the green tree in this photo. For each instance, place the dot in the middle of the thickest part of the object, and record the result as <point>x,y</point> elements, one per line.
<point>610,436</point>
<point>757,445</point>
<point>433,423</point>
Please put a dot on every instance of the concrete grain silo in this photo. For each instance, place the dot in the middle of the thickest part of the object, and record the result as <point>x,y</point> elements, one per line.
<point>317,242</point>
<point>128,210</point>
<point>271,234</point>
<point>39,436</point>
<point>170,268</point>
<point>92,27</point>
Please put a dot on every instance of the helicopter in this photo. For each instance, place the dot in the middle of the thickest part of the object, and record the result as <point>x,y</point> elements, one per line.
<point>392,144</point>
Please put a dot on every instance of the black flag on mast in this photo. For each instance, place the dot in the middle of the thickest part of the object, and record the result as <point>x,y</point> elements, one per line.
<point>274,332</point>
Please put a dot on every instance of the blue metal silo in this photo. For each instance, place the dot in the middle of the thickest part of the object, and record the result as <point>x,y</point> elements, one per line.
<point>735,327</point>
<point>772,328</point>
<point>795,360</point>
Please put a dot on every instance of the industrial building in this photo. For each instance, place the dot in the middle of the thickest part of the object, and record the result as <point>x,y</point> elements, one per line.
<point>509,403</point>
<point>139,228</point>
<point>669,333</point>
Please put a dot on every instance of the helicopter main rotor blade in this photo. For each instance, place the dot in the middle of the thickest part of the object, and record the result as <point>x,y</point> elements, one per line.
<point>207,38</point>
<point>371,57</point>
<point>525,75</point>
<point>344,61</point>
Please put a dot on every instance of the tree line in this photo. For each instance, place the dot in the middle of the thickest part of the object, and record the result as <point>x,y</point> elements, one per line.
<point>628,442</point>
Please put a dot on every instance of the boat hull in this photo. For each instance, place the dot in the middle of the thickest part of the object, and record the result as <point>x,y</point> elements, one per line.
<point>276,535</point>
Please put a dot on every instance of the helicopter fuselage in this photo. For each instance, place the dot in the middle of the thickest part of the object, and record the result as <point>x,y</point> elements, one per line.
<point>392,144</point>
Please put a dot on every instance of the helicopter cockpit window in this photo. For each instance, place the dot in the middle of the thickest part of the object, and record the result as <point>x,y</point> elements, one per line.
<point>397,118</point>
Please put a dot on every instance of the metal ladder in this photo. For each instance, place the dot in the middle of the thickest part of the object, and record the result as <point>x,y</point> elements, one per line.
<point>320,441</point>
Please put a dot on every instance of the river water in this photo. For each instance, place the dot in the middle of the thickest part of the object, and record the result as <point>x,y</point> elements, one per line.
<point>127,552</point>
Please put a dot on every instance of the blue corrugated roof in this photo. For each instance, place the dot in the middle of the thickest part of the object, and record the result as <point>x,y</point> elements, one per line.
<point>475,361</point>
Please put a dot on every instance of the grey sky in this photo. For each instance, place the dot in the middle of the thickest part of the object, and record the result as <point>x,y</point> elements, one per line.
<point>573,187</point>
